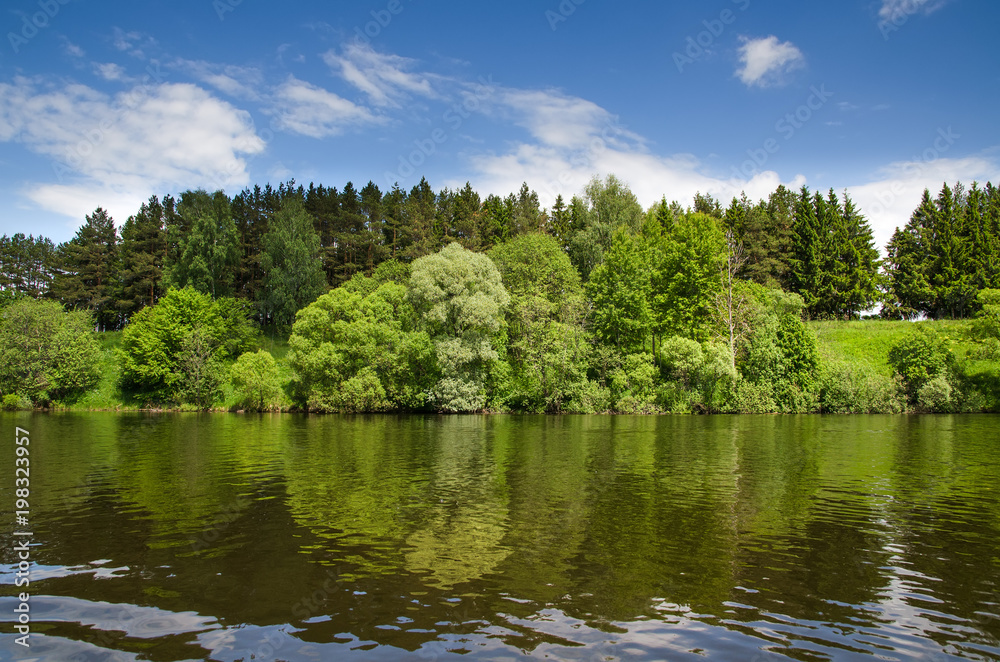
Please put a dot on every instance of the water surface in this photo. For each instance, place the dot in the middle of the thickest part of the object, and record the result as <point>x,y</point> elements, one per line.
<point>285,537</point>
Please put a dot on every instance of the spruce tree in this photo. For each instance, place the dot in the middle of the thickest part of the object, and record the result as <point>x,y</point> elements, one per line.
<point>143,243</point>
<point>88,269</point>
<point>293,275</point>
<point>207,257</point>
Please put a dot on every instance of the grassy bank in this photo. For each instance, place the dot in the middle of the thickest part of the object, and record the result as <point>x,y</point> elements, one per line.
<point>868,342</point>
<point>107,395</point>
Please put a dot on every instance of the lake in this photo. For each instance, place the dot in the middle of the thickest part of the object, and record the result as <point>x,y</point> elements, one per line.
<point>291,537</point>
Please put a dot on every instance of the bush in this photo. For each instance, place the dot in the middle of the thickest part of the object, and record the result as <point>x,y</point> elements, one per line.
<point>917,359</point>
<point>858,389</point>
<point>632,385</point>
<point>45,352</point>
<point>935,395</point>
<point>592,398</point>
<point>15,402</point>
<point>174,350</point>
<point>344,333</point>
<point>255,378</point>
<point>751,398</point>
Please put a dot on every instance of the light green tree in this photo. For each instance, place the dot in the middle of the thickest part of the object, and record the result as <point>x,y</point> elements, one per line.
<point>255,377</point>
<point>158,354</point>
<point>356,349</point>
<point>686,277</point>
<point>547,346</point>
<point>460,299</point>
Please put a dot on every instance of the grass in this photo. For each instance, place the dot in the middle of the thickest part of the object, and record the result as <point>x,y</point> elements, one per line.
<point>869,341</point>
<point>106,395</point>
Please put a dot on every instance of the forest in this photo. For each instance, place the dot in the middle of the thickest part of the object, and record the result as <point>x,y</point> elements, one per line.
<point>327,300</point>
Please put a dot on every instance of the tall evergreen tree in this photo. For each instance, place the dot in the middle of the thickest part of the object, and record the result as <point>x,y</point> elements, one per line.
<point>293,274</point>
<point>143,245</point>
<point>209,254</point>
<point>89,268</point>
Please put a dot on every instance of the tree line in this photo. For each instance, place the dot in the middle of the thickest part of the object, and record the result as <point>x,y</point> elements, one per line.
<point>413,301</point>
<point>279,248</point>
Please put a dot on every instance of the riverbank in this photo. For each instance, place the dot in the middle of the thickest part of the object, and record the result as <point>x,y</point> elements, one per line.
<point>845,348</point>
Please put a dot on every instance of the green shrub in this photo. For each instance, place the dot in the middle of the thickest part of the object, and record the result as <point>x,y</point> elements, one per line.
<point>592,398</point>
<point>936,395</point>
<point>45,352</point>
<point>15,402</point>
<point>633,385</point>
<point>847,388</point>
<point>255,378</point>
<point>751,398</point>
<point>173,351</point>
<point>918,358</point>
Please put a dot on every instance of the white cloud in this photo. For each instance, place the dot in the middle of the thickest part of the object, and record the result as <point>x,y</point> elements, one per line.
<point>312,111</point>
<point>766,61</point>
<point>120,150</point>
<point>109,70</point>
<point>384,78</point>
<point>72,49</point>
<point>893,10</point>
<point>575,139</point>
<point>245,83</point>
<point>890,199</point>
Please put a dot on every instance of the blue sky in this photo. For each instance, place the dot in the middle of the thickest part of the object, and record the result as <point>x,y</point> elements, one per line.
<point>105,104</point>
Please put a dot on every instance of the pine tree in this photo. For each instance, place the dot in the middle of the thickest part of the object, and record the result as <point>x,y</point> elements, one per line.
<point>208,255</point>
<point>293,275</point>
<point>861,259</point>
<point>88,269</point>
<point>806,262</point>
<point>143,244</point>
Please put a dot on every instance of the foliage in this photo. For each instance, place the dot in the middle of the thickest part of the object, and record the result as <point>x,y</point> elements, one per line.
<point>546,344</point>
<point>856,388</point>
<point>158,346</point>
<point>459,299</point>
<point>918,358</point>
<point>686,276</point>
<point>345,342</point>
<point>697,377</point>
<point>947,253</point>
<point>206,245</point>
<point>834,264</point>
<point>45,352</point>
<point>88,269</point>
<point>290,259</point>
<point>254,375</point>
<point>606,207</point>
<point>783,357</point>
<point>199,372</point>
<point>619,288</point>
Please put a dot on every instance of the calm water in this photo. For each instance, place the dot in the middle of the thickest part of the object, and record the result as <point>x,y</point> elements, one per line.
<point>225,537</point>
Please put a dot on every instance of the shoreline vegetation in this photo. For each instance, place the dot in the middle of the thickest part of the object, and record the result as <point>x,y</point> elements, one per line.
<point>321,300</point>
